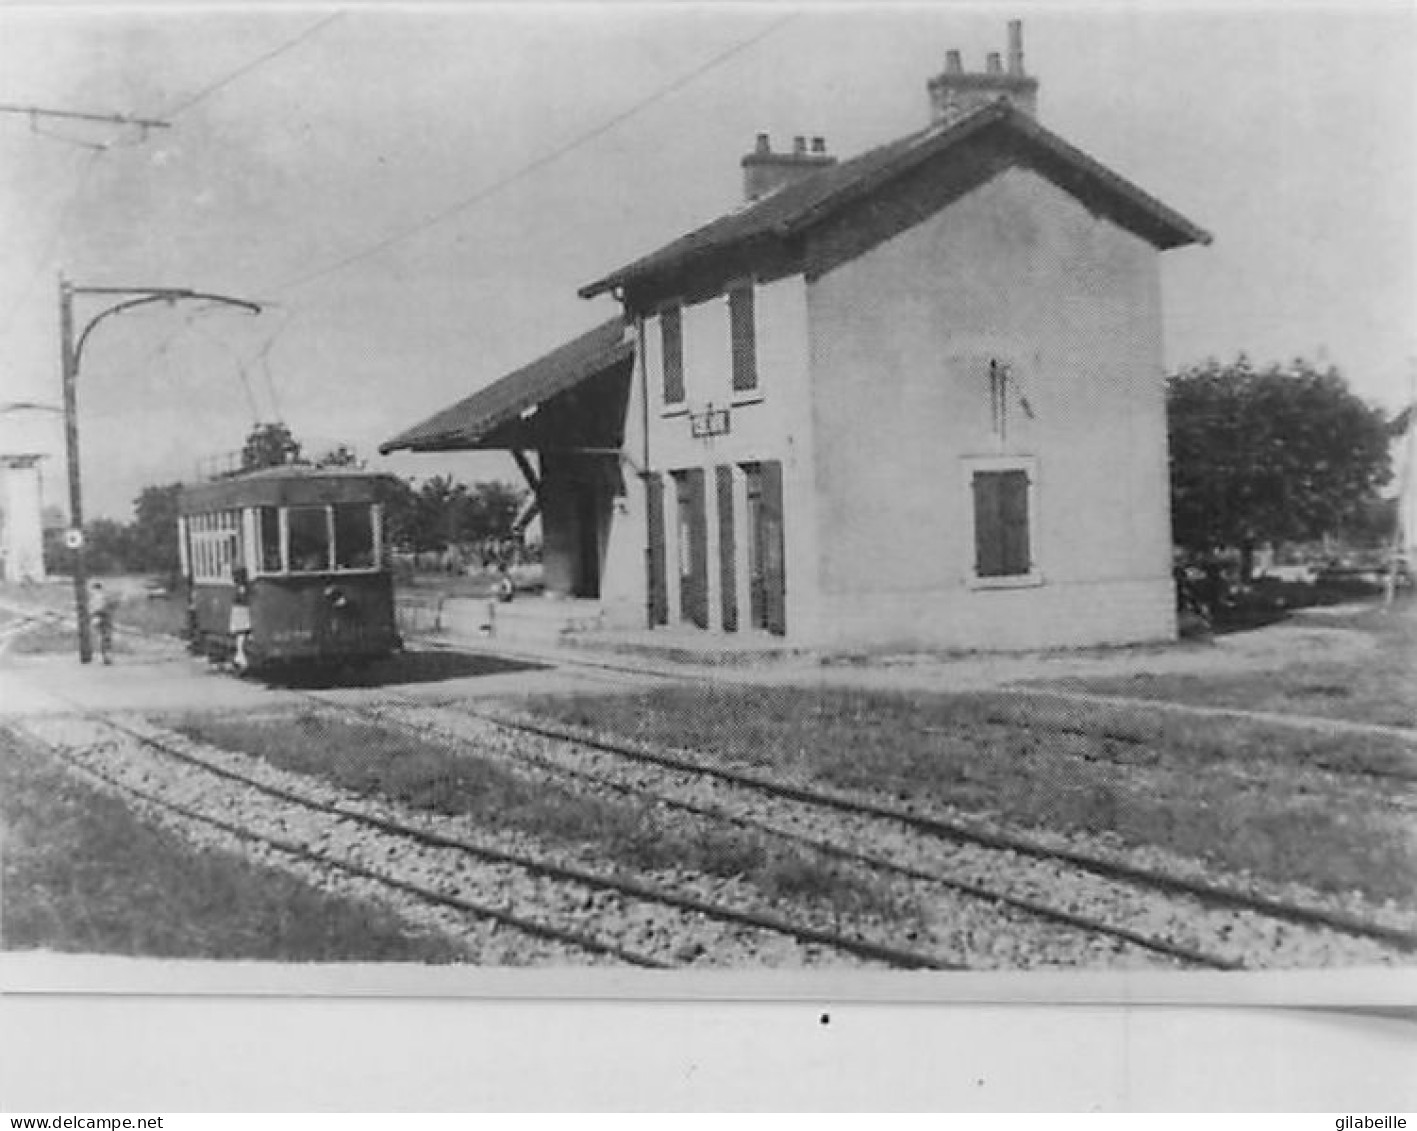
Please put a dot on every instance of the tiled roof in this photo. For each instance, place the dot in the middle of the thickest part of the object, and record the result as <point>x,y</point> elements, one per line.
<point>796,207</point>
<point>469,423</point>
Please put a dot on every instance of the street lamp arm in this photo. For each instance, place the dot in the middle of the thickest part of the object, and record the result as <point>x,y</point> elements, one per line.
<point>70,354</point>
<point>143,300</point>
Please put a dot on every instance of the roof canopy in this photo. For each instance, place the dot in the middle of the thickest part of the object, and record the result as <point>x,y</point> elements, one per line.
<point>988,139</point>
<point>492,417</point>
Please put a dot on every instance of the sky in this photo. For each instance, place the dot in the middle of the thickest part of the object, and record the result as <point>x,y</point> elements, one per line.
<point>413,194</point>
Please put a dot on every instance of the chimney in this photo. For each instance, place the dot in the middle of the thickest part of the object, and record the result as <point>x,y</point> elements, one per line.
<point>765,171</point>
<point>1016,47</point>
<point>955,92</point>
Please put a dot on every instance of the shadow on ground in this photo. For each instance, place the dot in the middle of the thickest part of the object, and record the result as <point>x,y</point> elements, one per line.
<point>406,667</point>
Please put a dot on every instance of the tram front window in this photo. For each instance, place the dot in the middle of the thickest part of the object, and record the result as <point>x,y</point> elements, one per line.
<point>309,539</point>
<point>270,540</point>
<point>354,536</point>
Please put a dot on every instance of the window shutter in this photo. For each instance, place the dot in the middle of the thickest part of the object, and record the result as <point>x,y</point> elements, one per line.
<point>988,535</point>
<point>1001,542</point>
<point>727,549</point>
<point>1013,521</point>
<point>658,593</point>
<point>671,329</point>
<point>773,548</point>
<point>742,327</point>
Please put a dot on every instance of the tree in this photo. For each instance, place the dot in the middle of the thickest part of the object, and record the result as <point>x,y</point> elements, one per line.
<point>108,546</point>
<point>401,515</point>
<point>436,512</point>
<point>154,529</point>
<point>492,511</point>
<point>1283,454</point>
<point>269,445</point>
<point>341,455</point>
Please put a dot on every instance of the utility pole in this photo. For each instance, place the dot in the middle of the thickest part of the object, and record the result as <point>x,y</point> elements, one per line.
<point>71,352</point>
<point>74,536</point>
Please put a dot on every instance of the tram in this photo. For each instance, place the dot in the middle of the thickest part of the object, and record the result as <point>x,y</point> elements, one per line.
<point>286,567</point>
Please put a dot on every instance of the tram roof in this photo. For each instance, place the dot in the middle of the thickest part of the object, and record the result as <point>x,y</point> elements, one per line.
<point>289,485</point>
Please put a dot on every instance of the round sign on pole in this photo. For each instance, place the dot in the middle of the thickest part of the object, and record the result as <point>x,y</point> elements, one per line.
<point>73,537</point>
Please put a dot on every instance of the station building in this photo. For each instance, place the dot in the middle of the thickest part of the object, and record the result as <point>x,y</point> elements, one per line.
<point>914,399</point>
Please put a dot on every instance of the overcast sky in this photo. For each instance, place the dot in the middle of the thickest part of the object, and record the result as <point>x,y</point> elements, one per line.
<point>417,192</point>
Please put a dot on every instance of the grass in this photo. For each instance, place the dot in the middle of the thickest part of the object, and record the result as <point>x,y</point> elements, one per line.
<point>1377,687</point>
<point>82,874</point>
<point>165,615</point>
<point>1240,795</point>
<point>377,762</point>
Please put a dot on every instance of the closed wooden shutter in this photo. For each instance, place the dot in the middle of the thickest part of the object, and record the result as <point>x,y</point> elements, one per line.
<point>743,330</point>
<point>773,549</point>
<point>1001,540</point>
<point>671,330</point>
<point>657,589</point>
<point>727,549</point>
<point>693,547</point>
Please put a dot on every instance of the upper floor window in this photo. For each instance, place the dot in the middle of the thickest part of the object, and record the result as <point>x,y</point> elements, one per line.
<point>671,331</point>
<point>744,334</point>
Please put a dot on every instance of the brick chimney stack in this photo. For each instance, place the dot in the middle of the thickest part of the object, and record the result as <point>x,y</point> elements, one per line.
<point>765,171</point>
<point>954,92</point>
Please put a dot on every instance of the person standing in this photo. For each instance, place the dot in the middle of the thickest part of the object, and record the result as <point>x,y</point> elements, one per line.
<point>101,613</point>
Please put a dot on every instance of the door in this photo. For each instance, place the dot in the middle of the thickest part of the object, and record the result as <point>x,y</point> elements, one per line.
<point>587,582</point>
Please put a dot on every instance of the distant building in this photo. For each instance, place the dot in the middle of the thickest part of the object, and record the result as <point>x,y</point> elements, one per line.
<point>21,521</point>
<point>913,399</point>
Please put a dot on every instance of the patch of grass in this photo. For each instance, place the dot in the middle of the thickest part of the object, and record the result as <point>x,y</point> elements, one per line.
<point>82,874</point>
<point>160,616</point>
<point>1242,795</point>
<point>373,761</point>
<point>1377,686</point>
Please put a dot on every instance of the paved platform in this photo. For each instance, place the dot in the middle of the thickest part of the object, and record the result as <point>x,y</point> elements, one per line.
<point>691,646</point>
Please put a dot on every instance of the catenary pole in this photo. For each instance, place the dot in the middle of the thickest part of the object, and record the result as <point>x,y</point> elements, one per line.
<point>71,351</point>
<point>69,369</point>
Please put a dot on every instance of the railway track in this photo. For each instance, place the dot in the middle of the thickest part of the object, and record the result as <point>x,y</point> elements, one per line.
<point>549,887</point>
<point>1226,924</point>
<point>1216,918</point>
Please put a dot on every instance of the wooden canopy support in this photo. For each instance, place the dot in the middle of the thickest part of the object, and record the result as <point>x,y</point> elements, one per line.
<point>533,505</point>
<point>528,472</point>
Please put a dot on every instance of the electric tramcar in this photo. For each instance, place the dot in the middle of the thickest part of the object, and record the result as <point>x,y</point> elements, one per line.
<point>286,566</point>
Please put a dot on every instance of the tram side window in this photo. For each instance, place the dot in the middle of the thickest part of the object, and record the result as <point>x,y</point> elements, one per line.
<point>354,536</point>
<point>309,539</point>
<point>270,540</point>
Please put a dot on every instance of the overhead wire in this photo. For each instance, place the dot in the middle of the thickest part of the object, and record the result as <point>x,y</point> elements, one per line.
<point>546,159</point>
<point>246,68</point>
<point>52,240</point>
<point>240,369</point>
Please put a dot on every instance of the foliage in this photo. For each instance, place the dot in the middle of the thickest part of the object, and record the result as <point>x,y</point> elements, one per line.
<point>154,530</point>
<point>108,548</point>
<point>269,445</point>
<point>441,512</point>
<point>341,455</point>
<point>1283,454</point>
